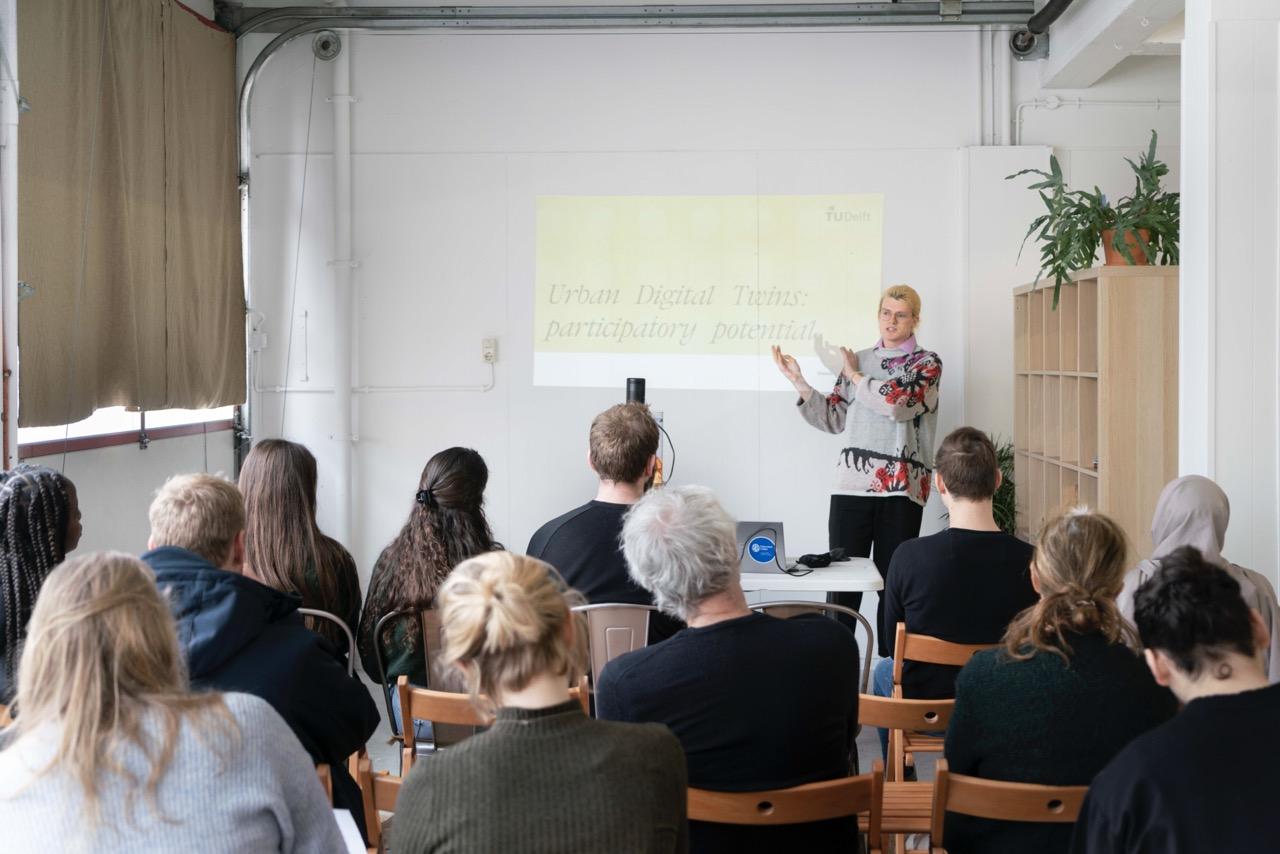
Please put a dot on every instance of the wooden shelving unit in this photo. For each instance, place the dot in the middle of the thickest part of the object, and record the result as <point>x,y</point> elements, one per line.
<point>1096,396</point>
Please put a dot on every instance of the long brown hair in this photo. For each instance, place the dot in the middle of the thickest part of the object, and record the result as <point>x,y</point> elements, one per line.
<point>102,657</point>
<point>446,525</point>
<point>284,547</point>
<point>1079,565</point>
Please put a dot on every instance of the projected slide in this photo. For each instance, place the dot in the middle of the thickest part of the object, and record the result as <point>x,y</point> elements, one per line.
<point>690,291</point>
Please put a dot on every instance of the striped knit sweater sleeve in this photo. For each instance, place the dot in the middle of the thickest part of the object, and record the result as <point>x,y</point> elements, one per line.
<point>548,780</point>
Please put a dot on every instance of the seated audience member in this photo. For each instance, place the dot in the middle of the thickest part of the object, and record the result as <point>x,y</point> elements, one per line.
<point>283,545</point>
<point>239,635</point>
<point>585,543</point>
<point>111,751</point>
<point>1194,511</point>
<point>446,526</point>
<point>757,702</point>
<point>963,584</point>
<point>1206,780</point>
<point>1064,693</point>
<point>545,777</point>
<point>39,525</point>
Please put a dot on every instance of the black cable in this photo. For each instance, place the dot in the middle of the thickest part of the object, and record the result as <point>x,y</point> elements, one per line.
<point>667,476</point>
<point>793,571</point>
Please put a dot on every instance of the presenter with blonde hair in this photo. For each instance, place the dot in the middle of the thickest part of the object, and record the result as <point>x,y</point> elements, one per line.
<point>885,401</point>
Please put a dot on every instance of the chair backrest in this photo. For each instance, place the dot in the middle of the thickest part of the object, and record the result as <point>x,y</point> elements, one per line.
<point>326,780</point>
<point>787,609</point>
<point>328,617</point>
<point>810,802</point>
<point>907,715</point>
<point>450,708</point>
<point>612,630</point>
<point>379,792</point>
<point>1000,800</point>
<point>909,647</point>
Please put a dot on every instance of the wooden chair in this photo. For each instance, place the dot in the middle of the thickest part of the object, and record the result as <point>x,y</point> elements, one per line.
<point>429,622</point>
<point>5,720</point>
<point>828,799</point>
<point>447,707</point>
<point>326,780</point>
<point>908,807</point>
<point>999,800</point>
<point>379,792</point>
<point>613,630</point>
<point>328,617</point>
<point>930,650</point>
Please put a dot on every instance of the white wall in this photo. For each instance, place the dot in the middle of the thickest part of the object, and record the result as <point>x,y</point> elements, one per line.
<point>1091,132</point>
<point>455,134</point>
<point>1230,316</point>
<point>115,485</point>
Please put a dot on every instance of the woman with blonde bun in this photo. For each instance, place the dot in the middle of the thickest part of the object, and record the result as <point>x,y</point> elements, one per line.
<point>545,777</point>
<point>110,752</point>
<point>1065,692</point>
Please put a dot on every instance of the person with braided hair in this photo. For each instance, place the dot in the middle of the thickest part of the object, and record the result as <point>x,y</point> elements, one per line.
<point>40,525</point>
<point>446,525</point>
<point>1063,694</point>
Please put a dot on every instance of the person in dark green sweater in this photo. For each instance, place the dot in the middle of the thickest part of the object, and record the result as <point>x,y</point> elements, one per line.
<point>1064,693</point>
<point>545,777</point>
<point>446,526</point>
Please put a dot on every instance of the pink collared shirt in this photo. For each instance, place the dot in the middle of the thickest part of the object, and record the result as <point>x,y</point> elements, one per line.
<point>908,346</point>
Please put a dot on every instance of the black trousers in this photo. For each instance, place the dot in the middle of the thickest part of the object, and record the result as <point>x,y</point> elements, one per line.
<point>859,522</point>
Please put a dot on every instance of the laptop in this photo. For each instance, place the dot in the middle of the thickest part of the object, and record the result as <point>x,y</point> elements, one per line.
<point>761,547</point>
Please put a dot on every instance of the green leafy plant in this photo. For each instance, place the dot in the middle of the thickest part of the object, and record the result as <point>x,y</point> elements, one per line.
<point>1073,225</point>
<point>1004,505</point>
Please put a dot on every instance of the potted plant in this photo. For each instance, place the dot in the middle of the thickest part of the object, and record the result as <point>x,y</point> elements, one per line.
<point>1141,228</point>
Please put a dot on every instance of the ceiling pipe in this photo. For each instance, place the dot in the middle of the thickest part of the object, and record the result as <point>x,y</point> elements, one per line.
<point>1024,40</point>
<point>621,16</point>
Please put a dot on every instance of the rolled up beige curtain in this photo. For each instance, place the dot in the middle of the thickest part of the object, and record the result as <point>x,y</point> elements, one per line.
<point>128,221</point>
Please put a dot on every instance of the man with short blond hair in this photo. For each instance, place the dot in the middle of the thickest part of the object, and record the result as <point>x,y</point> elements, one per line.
<point>240,635</point>
<point>201,513</point>
<point>584,543</point>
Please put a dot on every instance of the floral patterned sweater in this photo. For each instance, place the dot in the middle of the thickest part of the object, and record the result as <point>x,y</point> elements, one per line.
<point>888,421</point>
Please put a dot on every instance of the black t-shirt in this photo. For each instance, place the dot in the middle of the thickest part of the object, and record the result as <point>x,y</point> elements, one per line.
<point>961,586</point>
<point>585,546</point>
<point>757,703</point>
<point>1205,781</point>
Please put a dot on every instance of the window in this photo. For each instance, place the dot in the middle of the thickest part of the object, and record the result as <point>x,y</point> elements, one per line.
<point>117,426</point>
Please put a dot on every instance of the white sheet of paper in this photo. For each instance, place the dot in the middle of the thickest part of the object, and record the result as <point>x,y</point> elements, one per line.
<point>350,833</point>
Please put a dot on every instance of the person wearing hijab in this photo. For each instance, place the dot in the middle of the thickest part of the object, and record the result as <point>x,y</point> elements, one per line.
<point>1194,511</point>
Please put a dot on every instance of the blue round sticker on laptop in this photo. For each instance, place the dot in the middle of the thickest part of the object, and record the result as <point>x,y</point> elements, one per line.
<point>762,549</point>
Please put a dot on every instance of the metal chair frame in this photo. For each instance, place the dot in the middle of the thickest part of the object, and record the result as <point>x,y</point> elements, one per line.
<point>588,610</point>
<point>346,630</point>
<point>831,607</point>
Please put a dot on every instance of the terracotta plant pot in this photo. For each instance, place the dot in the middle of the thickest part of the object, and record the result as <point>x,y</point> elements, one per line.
<point>1114,258</point>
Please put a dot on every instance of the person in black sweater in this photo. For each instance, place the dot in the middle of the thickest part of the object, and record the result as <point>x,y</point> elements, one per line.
<point>963,584</point>
<point>1062,695</point>
<point>584,545</point>
<point>756,702</point>
<point>1206,780</point>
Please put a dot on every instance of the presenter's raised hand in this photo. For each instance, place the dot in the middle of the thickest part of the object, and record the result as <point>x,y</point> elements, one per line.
<point>790,369</point>
<point>850,369</point>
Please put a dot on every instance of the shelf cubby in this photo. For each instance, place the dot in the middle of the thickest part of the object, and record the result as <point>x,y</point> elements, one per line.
<point>1095,396</point>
